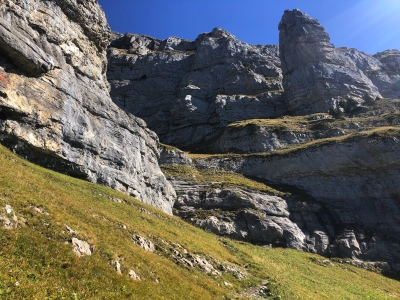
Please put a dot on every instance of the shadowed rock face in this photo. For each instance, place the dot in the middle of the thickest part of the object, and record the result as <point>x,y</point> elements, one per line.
<point>315,74</point>
<point>55,107</point>
<point>187,90</point>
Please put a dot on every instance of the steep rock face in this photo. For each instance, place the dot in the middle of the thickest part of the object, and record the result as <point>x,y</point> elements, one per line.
<point>388,79</point>
<point>187,90</point>
<point>55,107</point>
<point>354,180</point>
<point>268,135</point>
<point>315,75</point>
<point>382,69</point>
<point>173,156</point>
<point>239,214</point>
<point>254,138</point>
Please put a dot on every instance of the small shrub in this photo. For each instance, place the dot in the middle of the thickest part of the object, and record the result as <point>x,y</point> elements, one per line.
<point>368,100</point>
<point>336,112</point>
<point>247,66</point>
<point>349,105</point>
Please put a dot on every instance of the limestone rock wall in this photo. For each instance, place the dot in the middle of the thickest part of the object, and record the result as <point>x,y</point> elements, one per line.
<point>187,90</point>
<point>55,107</point>
<point>354,181</point>
<point>316,76</point>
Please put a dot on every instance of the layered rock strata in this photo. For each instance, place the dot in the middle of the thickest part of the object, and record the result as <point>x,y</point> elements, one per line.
<point>316,76</point>
<point>255,217</point>
<point>383,69</point>
<point>55,107</point>
<point>268,135</point>
<point>187,90</point>
<point>353,179</point>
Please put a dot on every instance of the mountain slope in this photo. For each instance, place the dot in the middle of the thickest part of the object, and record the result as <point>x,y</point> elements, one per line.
<point>38,261</point>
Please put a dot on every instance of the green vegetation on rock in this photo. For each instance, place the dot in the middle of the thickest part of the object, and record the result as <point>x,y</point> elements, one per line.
<point>218,178</point>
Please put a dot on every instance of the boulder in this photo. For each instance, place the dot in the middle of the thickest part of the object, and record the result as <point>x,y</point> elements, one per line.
<point>81,248</point>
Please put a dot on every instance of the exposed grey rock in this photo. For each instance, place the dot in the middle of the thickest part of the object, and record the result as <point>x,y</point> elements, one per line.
<point>254,138</point>
<point>81,248</point>
<point>268,135</point>
<point>354,186</point>
<point>316,75</point>
<point>382,69</point>
<point>245,215</point>
<point>71,231</point>
<point>40,210</point>
<point>171,155</point>
<point>205,265</point>
<point>9,219</point>
<point>117,265</point>
<point>387,79</point>
<point>258,292</point>
<point>55,107</point>
<point>7,223</point>
<point>133,275</point>
<point>187,90</point>
<point>143,243</point>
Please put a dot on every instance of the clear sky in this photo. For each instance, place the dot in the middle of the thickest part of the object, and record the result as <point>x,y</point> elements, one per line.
<point>368,25</point>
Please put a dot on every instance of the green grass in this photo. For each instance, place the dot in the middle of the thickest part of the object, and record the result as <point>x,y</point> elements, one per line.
<point>37,261</point>
<point>380,132</point>
<point>383,113</point>
<point>308,123</point>
<point>217,178</point>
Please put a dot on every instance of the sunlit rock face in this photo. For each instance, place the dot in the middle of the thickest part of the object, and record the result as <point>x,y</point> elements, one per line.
<point>187,90</point>
<point>55,107</point>
<point>347,197</point>
<point>316,76</point>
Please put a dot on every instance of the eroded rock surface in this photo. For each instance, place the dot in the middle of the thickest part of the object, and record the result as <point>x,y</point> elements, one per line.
<point>316,76</point>
<point>186,90</point>
<point>55,107</point>
<point>353,184</point>
<point>189,91</point>
<point>143,243</point>
<point>81,248</point>
<point>8,218</point>
<point>239,214</point>
<point>170,155</point>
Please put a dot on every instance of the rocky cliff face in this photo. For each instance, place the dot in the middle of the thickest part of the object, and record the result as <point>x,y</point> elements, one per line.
<point>187,90</point>
<point>316,76</point>
<point>335,179</point>
<point>55,107</point>
<point>352,183</point>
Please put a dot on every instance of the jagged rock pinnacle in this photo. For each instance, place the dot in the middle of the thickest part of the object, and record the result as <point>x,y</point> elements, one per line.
<point>315,74</point>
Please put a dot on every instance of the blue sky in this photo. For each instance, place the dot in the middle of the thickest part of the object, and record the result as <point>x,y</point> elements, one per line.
<point>368,25</point>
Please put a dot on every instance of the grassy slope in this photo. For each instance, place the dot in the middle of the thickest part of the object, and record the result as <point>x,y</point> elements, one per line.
<point>380,132</point>
<point>37,263</point>
<point>217,178</point>
<point>381,111</point>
